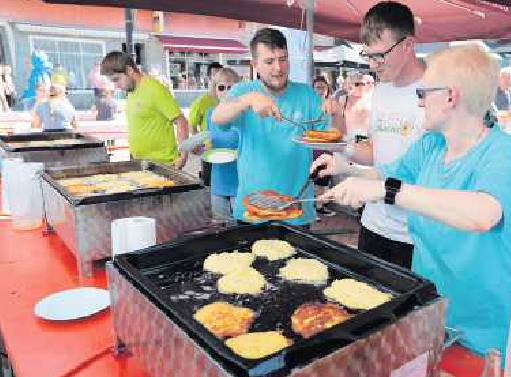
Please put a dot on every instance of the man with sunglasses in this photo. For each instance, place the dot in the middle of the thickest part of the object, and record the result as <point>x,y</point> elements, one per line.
<point>268,159</point>
<point>151,111</point>
<point>395,121</point>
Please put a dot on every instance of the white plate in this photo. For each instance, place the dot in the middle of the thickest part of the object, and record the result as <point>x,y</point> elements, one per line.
<point>220,155</point>
<point>73,304</point>
<point>332,147</point>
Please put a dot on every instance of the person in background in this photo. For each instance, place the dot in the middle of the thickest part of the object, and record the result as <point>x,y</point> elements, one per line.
<point>369,86</point>
<point>395,122</point>
<point>55,114</point>
<point>151,112</point>
<point>59,76</point>
<point>198,108</point>
<point>455,184</point>
<point>503,96</point>
<point>224,177</point>
<point>197,116</point>
<point>356,107</point>
<point>268,158</point>
<point>321,87</point>
<point>105,106</point>
<point>10,89</point>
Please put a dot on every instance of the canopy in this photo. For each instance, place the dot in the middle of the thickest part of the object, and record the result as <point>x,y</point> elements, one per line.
<point>338,54</point>
<point>437,20</point>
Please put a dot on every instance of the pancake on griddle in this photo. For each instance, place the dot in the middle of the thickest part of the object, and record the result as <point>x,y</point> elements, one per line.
<point>312,318</point>
<point>257,345</point>
<point>355,294</point>
<point>304,270</point>
<point>242,281</point>
<point>224,263</point>
<point>224,319</point>
<point>273,249</point>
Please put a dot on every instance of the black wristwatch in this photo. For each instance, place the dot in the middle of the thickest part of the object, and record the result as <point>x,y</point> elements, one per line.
<point>392,187</point>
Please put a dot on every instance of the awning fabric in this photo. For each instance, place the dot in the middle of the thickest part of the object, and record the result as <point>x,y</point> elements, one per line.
<point>210,45</point>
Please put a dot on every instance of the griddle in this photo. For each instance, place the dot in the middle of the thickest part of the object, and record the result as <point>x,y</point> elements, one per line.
<point>82,141</point>
<point>172,277</point>
<point>182,182</point>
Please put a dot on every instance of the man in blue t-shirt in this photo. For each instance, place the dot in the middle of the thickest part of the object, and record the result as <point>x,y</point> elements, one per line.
<point>268,159</point>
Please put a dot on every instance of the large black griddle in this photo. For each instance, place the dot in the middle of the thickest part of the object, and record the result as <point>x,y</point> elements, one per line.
<point>171,276</point>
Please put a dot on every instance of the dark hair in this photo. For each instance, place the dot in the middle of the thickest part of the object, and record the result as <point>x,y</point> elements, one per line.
<point>271,38</point>
<point>212,66</point>
<point>323,80</point>
<point>117,62</point>
<point>387,15</point>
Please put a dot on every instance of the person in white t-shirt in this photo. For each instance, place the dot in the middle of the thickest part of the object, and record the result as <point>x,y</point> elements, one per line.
<point>395,121</point>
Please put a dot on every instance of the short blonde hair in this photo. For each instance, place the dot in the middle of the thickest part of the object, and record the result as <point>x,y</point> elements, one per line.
<point>472,69</point>
<point>223,74</point>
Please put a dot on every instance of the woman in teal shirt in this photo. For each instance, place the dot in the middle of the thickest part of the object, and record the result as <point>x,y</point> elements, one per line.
<point>456,183</point>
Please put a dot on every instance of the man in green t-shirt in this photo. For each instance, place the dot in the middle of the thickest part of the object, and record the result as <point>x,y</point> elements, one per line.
<point>197,115</point>
<point>151,111</point>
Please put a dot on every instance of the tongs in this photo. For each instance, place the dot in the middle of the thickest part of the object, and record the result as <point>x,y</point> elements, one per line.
<point>304,123</point>
<point>277,204</point>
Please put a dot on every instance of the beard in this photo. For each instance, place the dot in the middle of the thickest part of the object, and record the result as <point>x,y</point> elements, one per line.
<point>272,87</point>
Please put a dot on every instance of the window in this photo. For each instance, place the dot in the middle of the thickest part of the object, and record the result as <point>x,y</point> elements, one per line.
<point>77,56</point>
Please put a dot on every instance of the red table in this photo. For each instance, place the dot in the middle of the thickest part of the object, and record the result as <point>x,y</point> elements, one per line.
<point>33,266</point>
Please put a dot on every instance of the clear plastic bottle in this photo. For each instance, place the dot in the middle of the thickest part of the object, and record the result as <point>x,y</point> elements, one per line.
<point>492,363</point>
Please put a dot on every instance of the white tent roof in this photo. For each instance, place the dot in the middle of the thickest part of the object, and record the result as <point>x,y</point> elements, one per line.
<point>338,54</point>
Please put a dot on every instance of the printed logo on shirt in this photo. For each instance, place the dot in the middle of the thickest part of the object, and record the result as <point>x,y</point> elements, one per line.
<point>396,125</point>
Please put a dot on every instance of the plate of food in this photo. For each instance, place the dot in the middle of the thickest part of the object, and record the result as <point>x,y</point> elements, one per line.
<point>256,211</point>
<point>327,140</point>
<point>220,155</point>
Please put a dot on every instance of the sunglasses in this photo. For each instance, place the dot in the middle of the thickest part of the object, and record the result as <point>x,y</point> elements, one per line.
<point>357,84</point>
<point>421,92</point>
<point>223,87</point>
<point>379,57</point>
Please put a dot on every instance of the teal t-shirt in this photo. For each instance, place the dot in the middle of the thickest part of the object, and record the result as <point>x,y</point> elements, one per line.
<point>268,158</point>
<point>472,269</point>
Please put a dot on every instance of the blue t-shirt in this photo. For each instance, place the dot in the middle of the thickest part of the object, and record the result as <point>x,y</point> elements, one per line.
<point>58,117</point>
<point>268,159</point>
<point>224,177</point>
<point>472,269</point>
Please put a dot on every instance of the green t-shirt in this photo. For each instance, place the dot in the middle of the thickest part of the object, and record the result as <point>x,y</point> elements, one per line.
<point>150,111</point>
<point>197,116</point>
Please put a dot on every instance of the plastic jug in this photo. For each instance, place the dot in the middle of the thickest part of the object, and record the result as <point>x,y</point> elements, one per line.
<point>8,167</point>
<point>25,196</point>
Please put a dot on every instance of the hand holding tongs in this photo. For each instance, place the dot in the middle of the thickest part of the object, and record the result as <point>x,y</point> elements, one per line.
<point>302,124</point>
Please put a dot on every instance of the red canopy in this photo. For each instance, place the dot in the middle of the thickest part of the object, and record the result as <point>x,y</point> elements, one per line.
<point>211,45</point>
<point>437,20</point>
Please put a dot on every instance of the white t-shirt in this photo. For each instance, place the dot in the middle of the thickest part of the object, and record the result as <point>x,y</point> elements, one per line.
<point>395,122</point>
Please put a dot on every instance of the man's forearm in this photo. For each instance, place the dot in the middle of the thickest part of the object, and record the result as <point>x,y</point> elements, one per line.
<point>182,128</point>
<point>362,153</point>
<point>229,110</point>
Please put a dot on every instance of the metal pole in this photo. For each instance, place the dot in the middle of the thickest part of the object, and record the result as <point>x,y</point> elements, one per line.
<point>129,21</point>
<point>310,40</point>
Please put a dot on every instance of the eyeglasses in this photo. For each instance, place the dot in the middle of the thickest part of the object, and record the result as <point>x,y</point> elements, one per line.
<point>223,87</point>
<point>421,92</point>
<point>357,84</point>
<point>379,57</point>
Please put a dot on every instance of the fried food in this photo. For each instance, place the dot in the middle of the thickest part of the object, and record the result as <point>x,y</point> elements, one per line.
<point>137,174</point>
<point>224,263</point>
<point>273,249</point>
<point>355,294</point>
<point>103,178</point>
<point>327,136</point>
<point>71,181</point>
<point>158,182</point>
<point>257,345</point>
<point>312,318</point>
<point>305,271</point>
<point>256,213</point>
<point>242,281</point>
<point>224,319</point>
<point>80,189</point>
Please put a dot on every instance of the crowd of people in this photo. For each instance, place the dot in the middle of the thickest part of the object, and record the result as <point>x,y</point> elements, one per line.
<point>439,190</point>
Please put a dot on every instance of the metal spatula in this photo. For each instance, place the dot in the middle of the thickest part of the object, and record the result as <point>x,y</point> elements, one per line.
<point>276,204</point>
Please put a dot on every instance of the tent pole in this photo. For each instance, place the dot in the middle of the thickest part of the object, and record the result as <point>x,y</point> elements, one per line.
<point>129,24</point>
<point>310,41</point>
